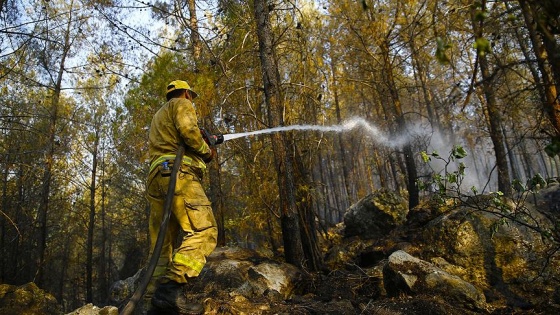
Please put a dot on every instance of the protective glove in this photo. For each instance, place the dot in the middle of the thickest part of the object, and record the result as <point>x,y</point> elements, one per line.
<point>207,137</point>
<point>213,154</point>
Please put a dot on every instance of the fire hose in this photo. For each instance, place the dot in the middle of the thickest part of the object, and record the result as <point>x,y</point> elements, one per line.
<point>131,305</point>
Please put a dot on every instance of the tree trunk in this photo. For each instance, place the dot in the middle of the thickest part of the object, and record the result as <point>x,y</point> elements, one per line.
<point>42,214</point>
<point>64,268</point>
<point>91,222</point>
<point>293,250</point>
<point>421,75</point>
<point>311,250</point>
<point>544,49</point>
<point>493,111</point>
<point>104,264</point>
<point>215,195</point>
<point>3,222</point>
<point>340,138</point>
<point>410,165</point>
<point>195,35</point>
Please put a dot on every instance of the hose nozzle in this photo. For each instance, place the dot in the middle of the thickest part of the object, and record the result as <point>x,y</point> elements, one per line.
<point>211,139</point>
<point>219,138</point>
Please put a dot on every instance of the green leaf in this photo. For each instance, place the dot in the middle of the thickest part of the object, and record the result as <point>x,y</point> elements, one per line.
<point>425,157</point>
<point>480,15</point>
<point>462,168</point>
<point>474,190</point>
<point>536,182</point>
<point>553,148</point>
<point>452,178</point>
<point>482,46</point>
<point>459,152</point>
<point>518,186</point>
<point>441,47</point>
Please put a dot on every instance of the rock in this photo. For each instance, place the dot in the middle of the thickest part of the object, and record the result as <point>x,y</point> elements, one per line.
<point>245,272</point>
<point>346,253</point>
<point>275,280</point>
<point>406,274</point>
<point>375,215</point>
<point>240,276</point>
<point>548,200</point>
<point>91,309</point>
<point>450,259</point>
<point>27,299</point>
<point>271,277</point>
<point>235,253</point>
<point>123,289</point>
<point>229,273</point>
<point>512,263</point>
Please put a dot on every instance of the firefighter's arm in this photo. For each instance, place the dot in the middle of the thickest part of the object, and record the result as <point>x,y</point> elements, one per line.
<point>186,122</point>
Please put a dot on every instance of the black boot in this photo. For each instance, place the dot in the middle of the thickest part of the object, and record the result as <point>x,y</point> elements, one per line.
<point>170,296</point>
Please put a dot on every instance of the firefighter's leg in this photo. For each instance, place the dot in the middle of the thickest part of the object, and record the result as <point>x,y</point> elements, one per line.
<point>194,215</point>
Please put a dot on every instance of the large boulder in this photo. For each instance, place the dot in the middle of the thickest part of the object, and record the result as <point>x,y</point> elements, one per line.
<point>512,262</point>
<point>27,299</point>
<point>375,215</point>
<point>242,277</point>
<point>547,200</point>
<point>405,274</point>
<point>243,272</point>
<point>276,279</point>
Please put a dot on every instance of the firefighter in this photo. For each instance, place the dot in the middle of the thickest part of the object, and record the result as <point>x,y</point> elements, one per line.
<point>175,124</point>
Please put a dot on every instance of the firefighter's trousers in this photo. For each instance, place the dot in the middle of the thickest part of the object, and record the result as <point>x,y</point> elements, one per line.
<point>191,217</point>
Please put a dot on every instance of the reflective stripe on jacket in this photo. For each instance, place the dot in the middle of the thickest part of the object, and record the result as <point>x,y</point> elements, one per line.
<point>171,158</point>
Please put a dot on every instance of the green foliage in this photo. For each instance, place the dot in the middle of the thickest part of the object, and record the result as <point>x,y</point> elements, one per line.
<point>480,15</point>
<point>553,148</point>
<point>446,184</point>
<point>482,46</point>
<point>445,180</point>
<point>441,48</point>
<point>458,152</point>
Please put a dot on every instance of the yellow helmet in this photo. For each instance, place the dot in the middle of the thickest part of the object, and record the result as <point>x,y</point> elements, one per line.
<point>180,85</point>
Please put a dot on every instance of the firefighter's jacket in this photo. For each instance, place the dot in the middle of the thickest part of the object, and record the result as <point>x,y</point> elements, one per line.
<point>174,123</point>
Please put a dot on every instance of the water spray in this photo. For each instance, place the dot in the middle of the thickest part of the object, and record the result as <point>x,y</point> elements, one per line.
<point>350,124</point>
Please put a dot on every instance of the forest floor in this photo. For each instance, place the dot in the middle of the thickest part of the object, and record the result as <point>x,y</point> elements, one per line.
<point>339,293</point>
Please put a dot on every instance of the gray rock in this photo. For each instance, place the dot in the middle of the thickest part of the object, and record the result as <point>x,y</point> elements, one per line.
<point>123,289</point>
<point>27,299</point>
<point>280,278</point>
<point>404,273</point>
<point>375,215</point>
<point>507,259</point>
<point>90,309</point>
